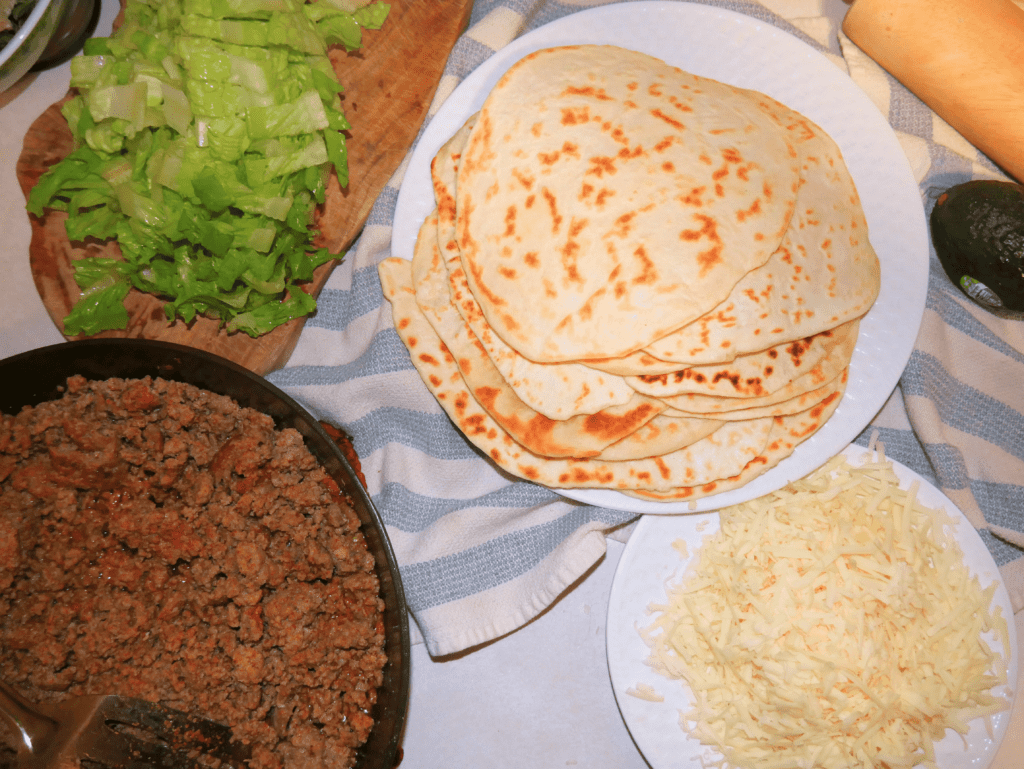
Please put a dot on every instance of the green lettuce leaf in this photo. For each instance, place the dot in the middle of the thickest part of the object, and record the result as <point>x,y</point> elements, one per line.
<point>204,132</point>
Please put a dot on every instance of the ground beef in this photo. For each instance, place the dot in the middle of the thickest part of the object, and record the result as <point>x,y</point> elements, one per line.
<point>161,541</point>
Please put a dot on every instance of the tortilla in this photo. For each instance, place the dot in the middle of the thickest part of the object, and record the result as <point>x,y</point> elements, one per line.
<point>825,371</point>
<point>720,455</point>
<point>606,199</point>
<point>582,436</point>
<point>825,274</point>
<point>787,433</point>
<point>661,435</point>
<point>793,405</point>
<point>755,374</point>
<point>558,391</point>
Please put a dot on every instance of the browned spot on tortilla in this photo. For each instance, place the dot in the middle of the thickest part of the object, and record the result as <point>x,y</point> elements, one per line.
<point>753,210</point>
<point>569,261</point>
<point>587,90</point>
<point>552,201</point>
<point>623,225</point>
<point>663,468</point>
<point>798,349</point>
<point>530,258</point>
<point>484,144</point>
<point>604,426</point>
<point>601,165</point>
<point>668,119</point>
<point>694,197</point>
<point>575,115</point>
<point>474,425</point>
<point>529,472</point>
<point>679,105</point>
<point>524,179</point>
<point>654,378</point>
<point>571,249</point>
<point>648,275</point>
<point>709,230</point>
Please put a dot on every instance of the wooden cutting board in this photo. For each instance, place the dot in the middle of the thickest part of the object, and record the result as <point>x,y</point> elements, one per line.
<point>388,84</point>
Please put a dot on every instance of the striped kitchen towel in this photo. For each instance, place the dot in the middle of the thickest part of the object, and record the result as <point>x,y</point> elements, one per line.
<point>482,553</point>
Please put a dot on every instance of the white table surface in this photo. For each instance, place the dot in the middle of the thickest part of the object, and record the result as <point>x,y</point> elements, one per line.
<point>539,697</point>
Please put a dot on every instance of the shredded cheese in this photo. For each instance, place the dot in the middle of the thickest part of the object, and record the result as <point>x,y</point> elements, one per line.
<point>682,548</point>
<point>831,624</point>
<point>645,692</point>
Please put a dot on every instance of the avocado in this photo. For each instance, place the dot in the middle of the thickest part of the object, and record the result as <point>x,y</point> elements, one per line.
<point>978,232</point>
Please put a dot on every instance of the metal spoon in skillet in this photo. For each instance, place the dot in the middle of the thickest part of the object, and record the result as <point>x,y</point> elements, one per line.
<point>116,732</point>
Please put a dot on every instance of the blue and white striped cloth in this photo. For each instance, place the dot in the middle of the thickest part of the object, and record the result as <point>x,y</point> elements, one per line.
<point>482,553</point>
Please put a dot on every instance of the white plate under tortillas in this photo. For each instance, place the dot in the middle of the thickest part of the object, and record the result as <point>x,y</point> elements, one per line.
<point>745,52</point>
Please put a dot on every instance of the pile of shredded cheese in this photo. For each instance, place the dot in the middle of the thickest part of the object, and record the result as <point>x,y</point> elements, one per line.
<point>831,624</point>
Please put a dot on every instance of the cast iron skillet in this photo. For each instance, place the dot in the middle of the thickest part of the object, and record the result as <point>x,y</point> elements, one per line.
<point>35,376</point>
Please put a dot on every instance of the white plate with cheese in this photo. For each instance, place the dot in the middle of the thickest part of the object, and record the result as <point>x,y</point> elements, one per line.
<point>658,553</point>
<point>744,51</point>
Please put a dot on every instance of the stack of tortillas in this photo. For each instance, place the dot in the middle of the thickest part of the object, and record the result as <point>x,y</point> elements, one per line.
<point>635,278</point>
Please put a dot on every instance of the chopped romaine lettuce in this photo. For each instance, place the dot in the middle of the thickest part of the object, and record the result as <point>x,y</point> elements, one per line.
<point>204,132</point>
